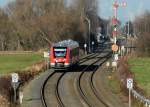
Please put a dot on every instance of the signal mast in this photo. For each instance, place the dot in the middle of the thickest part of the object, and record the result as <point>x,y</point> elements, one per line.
<point>116,5</point>
<point>115,48</point>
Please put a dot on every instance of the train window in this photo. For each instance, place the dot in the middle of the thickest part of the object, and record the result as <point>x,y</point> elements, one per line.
<point>60,52</point>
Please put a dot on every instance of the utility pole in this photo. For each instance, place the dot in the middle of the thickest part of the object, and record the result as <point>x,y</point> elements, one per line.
<point>128,29</point>
<point>89,30</point>
<point>85,18</point>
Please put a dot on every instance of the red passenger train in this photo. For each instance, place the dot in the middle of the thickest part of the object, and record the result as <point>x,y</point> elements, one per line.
<point>64,54</point>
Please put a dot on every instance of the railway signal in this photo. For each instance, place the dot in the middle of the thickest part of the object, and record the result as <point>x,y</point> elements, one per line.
<point>114,47</point>
<point>15,77</point>
<point>116,5</point>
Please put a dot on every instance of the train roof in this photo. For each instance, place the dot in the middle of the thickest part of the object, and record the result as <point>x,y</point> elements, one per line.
<point>67,43</point>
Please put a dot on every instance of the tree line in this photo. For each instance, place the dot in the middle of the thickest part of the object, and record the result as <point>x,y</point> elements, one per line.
<point>142,31</point>
<point>36,24</point>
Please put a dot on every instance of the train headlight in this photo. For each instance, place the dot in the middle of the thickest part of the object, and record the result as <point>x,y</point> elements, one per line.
<point>64,60</point>
<point>55,60</point>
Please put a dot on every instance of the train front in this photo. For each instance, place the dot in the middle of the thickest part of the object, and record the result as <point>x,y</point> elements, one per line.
<point>59,58</point>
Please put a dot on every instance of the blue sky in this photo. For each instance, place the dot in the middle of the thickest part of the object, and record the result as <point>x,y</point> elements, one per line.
<point>134,8</point>
<point>3,2</point>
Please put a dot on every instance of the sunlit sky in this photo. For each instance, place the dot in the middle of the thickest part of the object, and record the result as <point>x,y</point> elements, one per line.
<point>133,8</point>
<point>4,2</point>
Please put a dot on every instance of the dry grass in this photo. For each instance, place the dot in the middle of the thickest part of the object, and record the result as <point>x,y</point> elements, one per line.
<point>4,102</point>
<point>25,75</point>
<point>123,73</point>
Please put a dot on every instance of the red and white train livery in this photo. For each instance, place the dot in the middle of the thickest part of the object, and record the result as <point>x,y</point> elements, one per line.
<point>64,54</point>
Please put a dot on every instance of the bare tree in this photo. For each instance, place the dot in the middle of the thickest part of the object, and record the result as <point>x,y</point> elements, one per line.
<point>35,24</point>
<point>142,30</point>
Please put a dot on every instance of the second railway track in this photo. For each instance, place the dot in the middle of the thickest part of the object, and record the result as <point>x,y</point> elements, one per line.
<point>85,84</point>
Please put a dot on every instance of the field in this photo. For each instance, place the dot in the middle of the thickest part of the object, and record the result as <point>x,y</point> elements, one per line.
<point>141,69</point>
<point>14,62</point>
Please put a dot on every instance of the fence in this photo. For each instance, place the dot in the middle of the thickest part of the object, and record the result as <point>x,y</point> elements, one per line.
<point>135,93</point>
<point>141,98</point>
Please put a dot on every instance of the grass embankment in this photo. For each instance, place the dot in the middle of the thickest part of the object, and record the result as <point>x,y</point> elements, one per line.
<point>141,68</point>
<point>14,62</point>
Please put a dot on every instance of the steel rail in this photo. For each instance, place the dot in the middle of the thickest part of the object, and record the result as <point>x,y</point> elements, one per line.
<point>57,91</point>
<point>43,87</point>
<point>81,75</point>
<point>92,84</point>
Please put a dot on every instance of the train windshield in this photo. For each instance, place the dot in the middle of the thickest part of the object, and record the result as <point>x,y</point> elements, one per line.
<point>60,52</point>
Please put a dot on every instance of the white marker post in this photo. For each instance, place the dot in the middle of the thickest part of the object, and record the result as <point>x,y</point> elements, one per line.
<point>15,84</point>
<point>130,87</point>
<point>108,65</point>
<point>116,58</point>
<point>93,46</point>
<point>85,46</point>
<point>122,50</point>
<point>20,97</point>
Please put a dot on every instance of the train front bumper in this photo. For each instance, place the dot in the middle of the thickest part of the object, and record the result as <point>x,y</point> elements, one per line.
<point>60,65</point>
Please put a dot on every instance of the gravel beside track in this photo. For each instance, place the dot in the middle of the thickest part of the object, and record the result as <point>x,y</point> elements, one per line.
<point>49,90</point>
<point>32,91</point>
<point>104,92</point>
<point>68,91</point>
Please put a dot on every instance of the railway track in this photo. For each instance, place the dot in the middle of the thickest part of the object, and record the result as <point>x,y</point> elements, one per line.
<point>91,81</point>
<point>84,59</point>
<point>87,90</point>
<point>53,81</point>
<point>54,96</point>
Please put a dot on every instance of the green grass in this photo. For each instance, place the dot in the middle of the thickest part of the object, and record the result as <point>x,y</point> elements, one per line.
<point>11,63</point>
<point>141,69</point>
<point>114,86</point>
